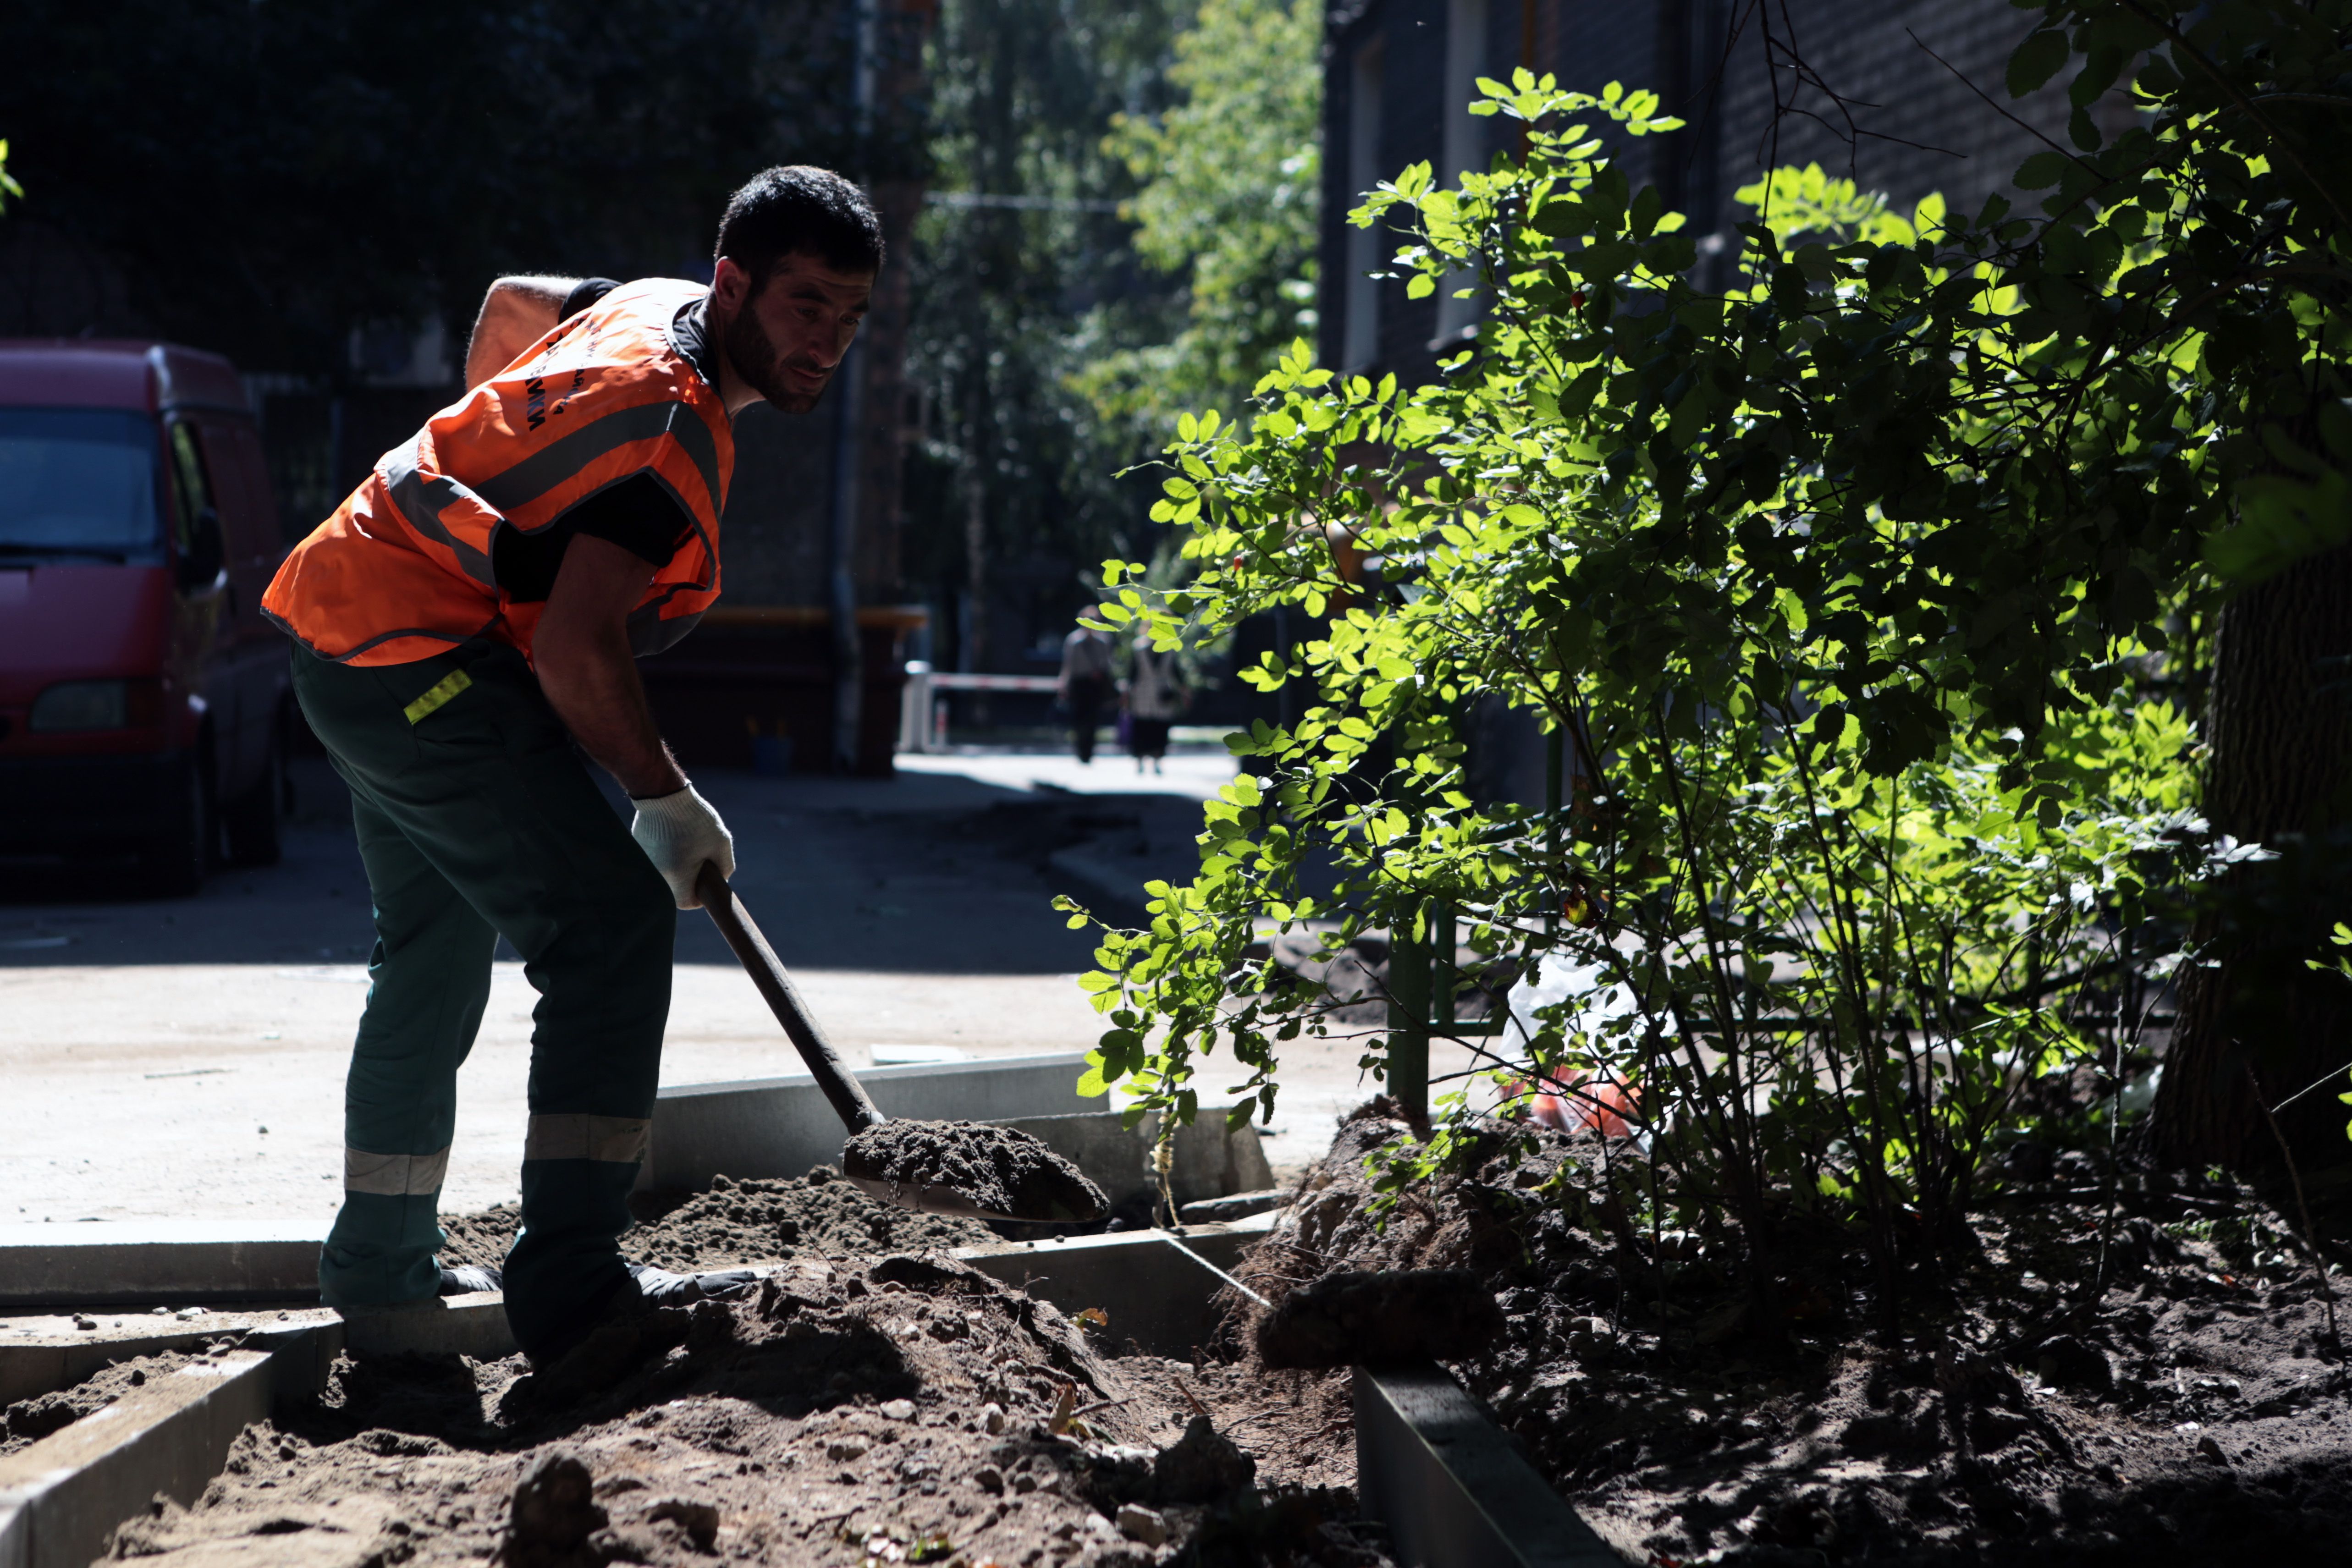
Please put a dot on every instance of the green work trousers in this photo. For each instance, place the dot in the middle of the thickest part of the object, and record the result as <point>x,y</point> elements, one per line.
<point>477,818</point>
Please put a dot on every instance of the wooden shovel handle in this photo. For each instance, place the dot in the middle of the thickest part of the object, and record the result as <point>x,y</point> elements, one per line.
<point>849,1098</point>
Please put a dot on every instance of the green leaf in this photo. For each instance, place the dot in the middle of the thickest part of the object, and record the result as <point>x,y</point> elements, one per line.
<point>2036,60</point>
<point>2042,171</point>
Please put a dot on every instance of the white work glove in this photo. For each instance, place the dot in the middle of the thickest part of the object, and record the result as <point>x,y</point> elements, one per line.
<point>678,832</point>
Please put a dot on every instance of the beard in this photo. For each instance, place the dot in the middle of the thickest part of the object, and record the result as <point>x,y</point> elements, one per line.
<point>755,357</point>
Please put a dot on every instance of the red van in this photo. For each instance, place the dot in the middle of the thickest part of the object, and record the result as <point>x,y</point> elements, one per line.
<point>144,702</point>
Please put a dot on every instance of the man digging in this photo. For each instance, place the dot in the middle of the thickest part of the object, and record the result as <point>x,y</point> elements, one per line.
<point>469,614</point>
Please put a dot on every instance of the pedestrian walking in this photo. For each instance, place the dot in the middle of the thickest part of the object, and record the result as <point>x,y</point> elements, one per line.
<point>1154,697</point>
<point>466,616</point>
<point>1084,685</point>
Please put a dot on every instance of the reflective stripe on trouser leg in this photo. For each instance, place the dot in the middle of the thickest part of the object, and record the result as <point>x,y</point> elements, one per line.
<point>394,1176</point>
<point>566,1137</point>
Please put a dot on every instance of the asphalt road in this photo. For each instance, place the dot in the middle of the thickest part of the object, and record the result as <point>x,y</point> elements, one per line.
<point>185,1057</point>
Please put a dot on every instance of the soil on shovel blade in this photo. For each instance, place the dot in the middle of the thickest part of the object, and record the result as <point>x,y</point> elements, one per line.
<point>1000,1169</point>
<point>907,1409</point>
<point>2193,1414</point>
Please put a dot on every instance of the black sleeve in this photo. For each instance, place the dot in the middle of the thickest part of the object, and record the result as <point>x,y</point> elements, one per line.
<point>637,514</point>
<point>584,293</point>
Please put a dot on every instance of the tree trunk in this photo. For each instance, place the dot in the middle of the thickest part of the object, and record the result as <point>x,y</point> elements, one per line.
<point>2279,726</point>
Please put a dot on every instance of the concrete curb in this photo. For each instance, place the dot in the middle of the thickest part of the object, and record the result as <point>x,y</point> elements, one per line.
<point>1211,1159</point>
<point>31,1368</point>
<point>1149,1292</point>
<point>767,1127</point>
<point>1452,1487</point>
<point>61,1498</point>
<point>143,1262</point>
<point>473,1326</point>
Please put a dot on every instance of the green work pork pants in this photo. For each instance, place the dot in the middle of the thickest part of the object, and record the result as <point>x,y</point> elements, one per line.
<point>477,818</point>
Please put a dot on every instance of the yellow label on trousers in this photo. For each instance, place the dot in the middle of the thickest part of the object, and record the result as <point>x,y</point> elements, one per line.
<point>451,684</point>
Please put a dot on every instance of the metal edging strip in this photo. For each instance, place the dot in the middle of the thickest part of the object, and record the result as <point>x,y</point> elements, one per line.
<point>1451,1488</point>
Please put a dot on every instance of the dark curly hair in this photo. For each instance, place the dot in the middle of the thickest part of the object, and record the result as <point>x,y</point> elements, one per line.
<point>795,208</point>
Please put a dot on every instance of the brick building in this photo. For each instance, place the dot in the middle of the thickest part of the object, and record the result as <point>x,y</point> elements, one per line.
<point>1399,76</point>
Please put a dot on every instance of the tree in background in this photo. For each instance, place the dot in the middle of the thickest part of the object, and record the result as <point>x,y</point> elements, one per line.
<point>1142,241</point>
<point>1025,274</point>
<point>1228,201</point>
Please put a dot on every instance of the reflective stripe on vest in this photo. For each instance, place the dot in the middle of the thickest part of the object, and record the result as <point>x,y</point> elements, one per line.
<point>402,569</point>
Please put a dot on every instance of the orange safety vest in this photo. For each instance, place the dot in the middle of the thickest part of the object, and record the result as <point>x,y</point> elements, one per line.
<point>402,572</point>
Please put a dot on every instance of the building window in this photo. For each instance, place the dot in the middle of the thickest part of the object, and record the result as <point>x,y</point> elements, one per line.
<point>1360,345</point>
<point>1466,62</point>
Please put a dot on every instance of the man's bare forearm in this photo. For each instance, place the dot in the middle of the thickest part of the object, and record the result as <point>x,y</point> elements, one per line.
<point>516,313</point>
<point>591,682</point>
<point>588,671</point>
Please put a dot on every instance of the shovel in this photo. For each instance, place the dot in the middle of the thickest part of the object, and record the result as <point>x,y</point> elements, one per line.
<point>969,1168</point>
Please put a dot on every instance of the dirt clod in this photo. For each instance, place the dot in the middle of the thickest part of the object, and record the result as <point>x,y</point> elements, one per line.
<point>554,1512</point>
<point>1201,1466</point>
<point>1000,1170</point>
<point>1380,1316</point>
<point>698,1519</point>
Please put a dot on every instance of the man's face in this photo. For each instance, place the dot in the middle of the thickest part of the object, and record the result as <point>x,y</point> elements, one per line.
<point>784,336</point>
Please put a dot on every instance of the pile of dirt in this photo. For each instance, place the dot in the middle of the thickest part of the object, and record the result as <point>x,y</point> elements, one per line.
<point>815,1216</point>
<point>2194,1413</point>
<point>906,1410</point>
<point>27,1421</point>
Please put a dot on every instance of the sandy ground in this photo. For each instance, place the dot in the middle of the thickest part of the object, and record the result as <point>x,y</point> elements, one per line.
<point>149,1044</point>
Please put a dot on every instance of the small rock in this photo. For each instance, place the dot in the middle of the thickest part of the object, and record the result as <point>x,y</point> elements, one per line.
<point>899,1409</point>
<point>82,1322</point>
<point>1139,1523</point>
<point>700,1519</point>
<point>189,1314</point>
<point>992,1420</point>
<point>851,1448</point>
<point>990,1479</point>
<point>138,1377</point>
<point>2208,1449</point>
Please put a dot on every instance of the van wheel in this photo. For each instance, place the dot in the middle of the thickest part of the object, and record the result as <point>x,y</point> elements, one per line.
<point>253,818</point>
<point>180,856</point>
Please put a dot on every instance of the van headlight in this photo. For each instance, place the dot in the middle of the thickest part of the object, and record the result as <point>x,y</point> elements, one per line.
<point>95,704</point>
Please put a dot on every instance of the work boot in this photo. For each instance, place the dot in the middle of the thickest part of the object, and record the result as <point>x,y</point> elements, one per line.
<point>633,1327</point>
<point>469,1278</point>
<point>664,1288</point>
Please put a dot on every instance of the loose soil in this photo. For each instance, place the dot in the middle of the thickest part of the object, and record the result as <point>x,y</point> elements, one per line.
<point>1000,1170</point>
<point>2192,1414</point>
<point>907,1409</point>
<point>27,1421</point>
<point>815,1216</point>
